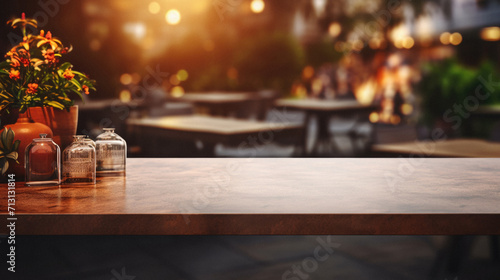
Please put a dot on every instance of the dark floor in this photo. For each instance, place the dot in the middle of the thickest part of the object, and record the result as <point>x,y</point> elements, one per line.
<point>247,257</point>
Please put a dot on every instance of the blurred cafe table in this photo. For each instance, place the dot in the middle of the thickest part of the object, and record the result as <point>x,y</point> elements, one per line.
<point>286,196</point>
<point>211,131</point>
<point>223,104</point>
<point>444,148</point>
<point>323,111</point>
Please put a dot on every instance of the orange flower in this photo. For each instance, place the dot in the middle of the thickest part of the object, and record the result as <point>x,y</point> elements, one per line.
<point>14,74</point>
<point>32,88</point>
<point>49,40</point>
<point>49,55</point>
<point>14,61</point>
<point>86,89</point>
<point>68,74</point>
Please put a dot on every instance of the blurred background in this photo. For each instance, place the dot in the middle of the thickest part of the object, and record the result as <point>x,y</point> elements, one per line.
<point>278,78</point>
<point>420,70</point>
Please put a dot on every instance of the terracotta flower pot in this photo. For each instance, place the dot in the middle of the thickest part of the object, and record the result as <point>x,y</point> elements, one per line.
<point>25,130</point>
<point>62,123</point>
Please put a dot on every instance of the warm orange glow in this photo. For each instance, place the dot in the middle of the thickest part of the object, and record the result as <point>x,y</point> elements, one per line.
<point>307,73</point>
<point>445,38</point>
<point>257,6</point>
<point>408,43</point>
<point>182,75</point>
<point>375,43</point>
<point>209,45</point>
<point>136,78</point>
<point>232,73</point>
<point>366,92</point>
<point>357,45</point>
<point>335,29</point>
<point>173,17</point>
<point>398,34</point>
<point>398,44</point>
<point>125,96</point>
<point>126,79</point>
<point>299,91</point>
<point>491,33</point>
<point>177,91</point>
<point>154,8</point>
<point>456,38</point>
<point>174,80</point>
<point>95,44</point>
<point>317,85</point>
<point>374,118</point>
<point>395,119</point>
<point>406,109</point>
<point>339,46</point>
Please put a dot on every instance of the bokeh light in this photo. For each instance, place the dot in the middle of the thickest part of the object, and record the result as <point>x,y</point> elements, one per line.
<point>456,38</point>
<point>334,29</point>
<point>125,96</point>
<point>173,17</point>
<point>154,8</point>
<point>490,33</point>
<point>445,38</point>
<point>257,6</point>
<point>177,91</point>
<point>126,79</point>
<point>182,75</point>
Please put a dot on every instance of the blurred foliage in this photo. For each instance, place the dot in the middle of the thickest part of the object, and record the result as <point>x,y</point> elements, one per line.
<point>269,61</point>
<point>448,83</point>
<point>321,52</point>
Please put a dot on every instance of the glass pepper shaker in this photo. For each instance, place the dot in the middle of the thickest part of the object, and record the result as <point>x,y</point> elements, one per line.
<point>111,153</point>
<point>79,162</point>
<point>89,141</point>
<point>42,162</point>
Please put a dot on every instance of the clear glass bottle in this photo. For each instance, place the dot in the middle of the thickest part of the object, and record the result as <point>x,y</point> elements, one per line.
<point>79,162</point>
<point>42,162</point>
<point>111,153</point>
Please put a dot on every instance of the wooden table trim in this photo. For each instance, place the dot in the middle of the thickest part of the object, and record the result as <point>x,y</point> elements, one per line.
<point>262,224</point>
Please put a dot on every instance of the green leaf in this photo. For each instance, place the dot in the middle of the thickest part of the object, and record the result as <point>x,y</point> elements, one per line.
<point>10,139</point>
<point>55,104</point>
<point>15,147</point>
<point>13,155</point>
<point>65,66</point>
<point>4,166</point>
<point>3,138</point>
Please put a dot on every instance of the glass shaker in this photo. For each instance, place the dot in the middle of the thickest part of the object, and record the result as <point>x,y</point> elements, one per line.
<point>42,162</point>
<point>79,162</point>
<point>111,153</point>
<point>89,141</point>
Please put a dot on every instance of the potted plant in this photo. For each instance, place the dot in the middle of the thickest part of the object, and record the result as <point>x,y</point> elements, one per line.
<point>35,80</point>
<point>447,84</point>
<point>8,149</point>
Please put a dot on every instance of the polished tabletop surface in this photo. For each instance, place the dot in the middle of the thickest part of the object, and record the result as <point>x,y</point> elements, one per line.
<point>323,105</point>
<point>216,97</point>
<point>200,123</point>
<point>444,148</point>
<point>272,196</point>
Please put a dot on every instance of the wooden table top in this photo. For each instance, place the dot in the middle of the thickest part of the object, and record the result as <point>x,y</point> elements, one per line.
<point>207,124</point>
<point>446,148</point>
<point>490,110</point>
<point>217,97</point>
<point>323,105</point>
<point>270,196</point>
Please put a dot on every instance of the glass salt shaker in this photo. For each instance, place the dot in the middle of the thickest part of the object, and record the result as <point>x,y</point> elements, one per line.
<point>79,162</point>
<point>111,153</point>
<point>89,141</point>
<point>42,162</point>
